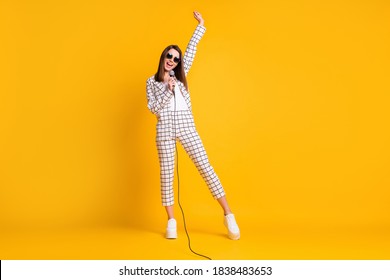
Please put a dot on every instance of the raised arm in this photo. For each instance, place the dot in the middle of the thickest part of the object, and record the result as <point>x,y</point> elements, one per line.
<point>190,52</point>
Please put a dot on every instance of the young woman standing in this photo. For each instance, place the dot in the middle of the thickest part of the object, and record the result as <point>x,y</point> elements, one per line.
<point>168,98</point>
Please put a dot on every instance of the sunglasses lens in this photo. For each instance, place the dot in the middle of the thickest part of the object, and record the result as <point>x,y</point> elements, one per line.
<point>175,59</point>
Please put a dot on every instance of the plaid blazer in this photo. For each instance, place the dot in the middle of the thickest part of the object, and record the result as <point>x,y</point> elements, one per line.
<point>159,97</point>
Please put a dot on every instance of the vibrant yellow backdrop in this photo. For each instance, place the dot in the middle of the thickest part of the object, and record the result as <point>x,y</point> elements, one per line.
<point>291,99</point>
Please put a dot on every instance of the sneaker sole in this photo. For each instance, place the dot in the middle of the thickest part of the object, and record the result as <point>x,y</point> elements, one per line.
<point>171,234</point>
<point>231,235</point>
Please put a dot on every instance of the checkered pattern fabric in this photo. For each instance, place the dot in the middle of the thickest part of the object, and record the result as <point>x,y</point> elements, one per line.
<point>190,52</point>
<point>179,126</point>
<point>158,94</point>
<point>186,134</point>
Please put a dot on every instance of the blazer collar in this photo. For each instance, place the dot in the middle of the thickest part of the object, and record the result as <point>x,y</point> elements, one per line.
<point>162,87</point>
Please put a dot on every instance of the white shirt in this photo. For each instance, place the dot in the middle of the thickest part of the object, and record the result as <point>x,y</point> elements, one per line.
<point>181,104</point>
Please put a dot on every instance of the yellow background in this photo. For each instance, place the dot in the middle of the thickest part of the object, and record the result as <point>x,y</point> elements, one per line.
<point>291,100</point>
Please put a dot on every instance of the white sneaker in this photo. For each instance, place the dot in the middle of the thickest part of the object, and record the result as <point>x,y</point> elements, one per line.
<point>233,230</point>
<point>171,232</point>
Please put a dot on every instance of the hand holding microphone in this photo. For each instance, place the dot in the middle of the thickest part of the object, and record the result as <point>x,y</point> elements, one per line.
<point>172,81</point>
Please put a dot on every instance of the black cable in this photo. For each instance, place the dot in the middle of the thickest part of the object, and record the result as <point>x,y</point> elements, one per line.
<point>181,208</point>
<point>178,188</point>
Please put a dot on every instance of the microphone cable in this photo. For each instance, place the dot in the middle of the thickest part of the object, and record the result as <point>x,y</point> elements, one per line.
<point>178,183</point>
<point>181,208</point>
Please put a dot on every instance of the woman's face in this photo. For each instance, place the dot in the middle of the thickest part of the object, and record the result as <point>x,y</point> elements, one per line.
<point>171,60</point>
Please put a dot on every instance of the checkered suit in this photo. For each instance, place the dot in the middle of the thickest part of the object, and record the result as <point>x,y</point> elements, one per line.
<point>179,125</point>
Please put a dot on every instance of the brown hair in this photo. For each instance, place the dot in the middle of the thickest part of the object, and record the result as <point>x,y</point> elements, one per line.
<point>179,69</point>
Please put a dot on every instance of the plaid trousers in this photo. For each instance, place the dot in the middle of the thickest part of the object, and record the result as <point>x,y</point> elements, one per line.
<point>184,131</point>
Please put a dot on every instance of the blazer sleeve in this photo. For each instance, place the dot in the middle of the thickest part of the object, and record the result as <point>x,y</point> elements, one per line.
<point>156,102</point>
<point>189,54</point>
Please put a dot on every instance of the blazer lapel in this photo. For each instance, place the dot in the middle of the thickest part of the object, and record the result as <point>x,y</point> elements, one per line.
<point>161,87</point>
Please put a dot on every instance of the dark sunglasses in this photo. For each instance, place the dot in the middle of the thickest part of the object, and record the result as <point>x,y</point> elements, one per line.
<point>175,59</point>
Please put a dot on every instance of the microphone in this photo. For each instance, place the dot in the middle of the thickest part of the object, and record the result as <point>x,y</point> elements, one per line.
<point>172,74</point>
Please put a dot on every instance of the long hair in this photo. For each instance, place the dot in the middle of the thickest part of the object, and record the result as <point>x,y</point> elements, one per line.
<point>179,69</point>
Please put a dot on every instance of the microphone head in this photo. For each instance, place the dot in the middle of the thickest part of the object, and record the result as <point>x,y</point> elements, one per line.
<point>172,73</point>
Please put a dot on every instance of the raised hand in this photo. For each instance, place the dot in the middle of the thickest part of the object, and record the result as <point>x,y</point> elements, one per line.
<point>198,17</point>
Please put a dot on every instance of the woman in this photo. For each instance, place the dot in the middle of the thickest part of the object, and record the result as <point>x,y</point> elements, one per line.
<point>169,99</point>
